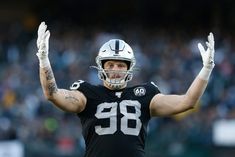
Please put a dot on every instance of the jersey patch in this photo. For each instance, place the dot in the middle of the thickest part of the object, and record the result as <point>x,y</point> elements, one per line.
<point>139,91</point>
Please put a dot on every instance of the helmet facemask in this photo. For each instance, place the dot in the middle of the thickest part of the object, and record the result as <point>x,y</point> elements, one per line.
<point>115,79</point>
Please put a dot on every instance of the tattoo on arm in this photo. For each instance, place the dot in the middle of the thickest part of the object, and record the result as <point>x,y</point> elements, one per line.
<point>52,88</point>
<point>71,98</point>
<point>49,74</point>
<point>51,84</point>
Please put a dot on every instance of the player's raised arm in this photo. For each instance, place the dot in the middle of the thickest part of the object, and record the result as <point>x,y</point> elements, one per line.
<point>165,105</point>
<point>71,101</point>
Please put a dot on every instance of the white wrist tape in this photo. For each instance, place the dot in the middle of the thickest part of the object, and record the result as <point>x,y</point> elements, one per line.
<point>205,73</point>
<point>44,62</point>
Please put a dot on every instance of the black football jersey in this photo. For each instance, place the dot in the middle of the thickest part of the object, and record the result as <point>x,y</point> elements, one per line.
<point>115,121</point>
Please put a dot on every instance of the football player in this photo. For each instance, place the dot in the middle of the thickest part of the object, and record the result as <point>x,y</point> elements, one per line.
<point>114,117</point>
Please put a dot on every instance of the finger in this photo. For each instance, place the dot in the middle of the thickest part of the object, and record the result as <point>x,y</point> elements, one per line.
<point>47,35</point>
<point>211,39</point>
<point>42,29</point>
<point>211,35</point>
<point>210,46</point>
<point>41,32</point>
<point>201,48</point>
<point>211,52</point>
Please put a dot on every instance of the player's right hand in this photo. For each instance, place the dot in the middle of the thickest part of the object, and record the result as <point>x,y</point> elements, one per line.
<point>43,41</point>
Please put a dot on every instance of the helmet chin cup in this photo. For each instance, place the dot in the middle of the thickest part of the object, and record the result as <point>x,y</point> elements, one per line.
<point>115,86</point>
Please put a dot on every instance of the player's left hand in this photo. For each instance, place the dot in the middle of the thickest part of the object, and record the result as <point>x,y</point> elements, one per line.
<point>208,55</point>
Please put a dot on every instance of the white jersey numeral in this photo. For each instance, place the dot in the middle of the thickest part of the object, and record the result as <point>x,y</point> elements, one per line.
<point>134,116</point>
<point>109,110</point>
<point>112,115</point>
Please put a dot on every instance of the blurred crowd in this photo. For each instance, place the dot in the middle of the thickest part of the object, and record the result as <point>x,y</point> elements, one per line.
<point>168,57</point>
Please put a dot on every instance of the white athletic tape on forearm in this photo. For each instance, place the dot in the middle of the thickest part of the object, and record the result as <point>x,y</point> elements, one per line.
<point>205,73</point>
<point>44,62</point>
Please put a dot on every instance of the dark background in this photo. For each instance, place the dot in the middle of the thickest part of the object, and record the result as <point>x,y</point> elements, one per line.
<point>149,13</point>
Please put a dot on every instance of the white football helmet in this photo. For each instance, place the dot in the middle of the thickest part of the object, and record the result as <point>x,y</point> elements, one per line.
<point>115,49</point>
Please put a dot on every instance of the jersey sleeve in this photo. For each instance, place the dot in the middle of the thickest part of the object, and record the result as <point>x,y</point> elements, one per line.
<point>86,88</point>
<point>155,88</point>
<point>92,95</point>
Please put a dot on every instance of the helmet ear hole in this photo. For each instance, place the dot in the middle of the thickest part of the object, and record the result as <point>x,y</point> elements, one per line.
<point>128,77</point>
